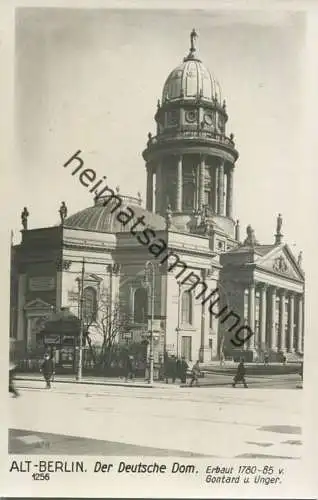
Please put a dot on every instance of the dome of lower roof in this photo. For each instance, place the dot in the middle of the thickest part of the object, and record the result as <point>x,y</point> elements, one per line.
<point>104,219</point>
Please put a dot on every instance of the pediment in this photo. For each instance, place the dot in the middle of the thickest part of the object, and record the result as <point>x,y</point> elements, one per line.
<point>92,278</point>
<point>281,261</point>
<point>38,304</point>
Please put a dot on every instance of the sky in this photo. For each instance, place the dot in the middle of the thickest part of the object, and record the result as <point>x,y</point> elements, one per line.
<point>90,80</point>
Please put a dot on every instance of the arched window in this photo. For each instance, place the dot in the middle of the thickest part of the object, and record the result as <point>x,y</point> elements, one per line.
<point>140,306</point>
<point>89,304</point>
<point>186,308</point>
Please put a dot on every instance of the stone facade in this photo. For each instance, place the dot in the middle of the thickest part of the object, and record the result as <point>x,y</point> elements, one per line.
<point>190,165</point>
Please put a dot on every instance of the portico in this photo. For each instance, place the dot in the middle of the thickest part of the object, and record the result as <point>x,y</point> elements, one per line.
<point>276,313</point>
<point>272,290</point>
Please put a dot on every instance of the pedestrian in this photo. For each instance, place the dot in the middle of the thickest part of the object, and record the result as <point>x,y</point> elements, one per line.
<point>195,373</point>
<point>47,368</point>
<point>183,370</point>
<point>284,359</point>
<point>266,359</point>
<point>12,388</point>
<point>166,368</point>
<point>129,368</point>
<point>178,368</point>
<point>173,368</point>
<point>240,374</point>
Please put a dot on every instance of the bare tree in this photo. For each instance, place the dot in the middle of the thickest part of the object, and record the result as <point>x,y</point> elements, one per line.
<point>109,321</point>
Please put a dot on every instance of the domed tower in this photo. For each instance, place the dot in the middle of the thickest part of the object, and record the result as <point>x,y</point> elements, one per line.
<point>190,161</point>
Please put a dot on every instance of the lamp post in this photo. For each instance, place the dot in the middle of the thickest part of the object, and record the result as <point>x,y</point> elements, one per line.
<point>151,288</point>
<point>178,324</point>
<point>222,340</point>
<point>81,316</point>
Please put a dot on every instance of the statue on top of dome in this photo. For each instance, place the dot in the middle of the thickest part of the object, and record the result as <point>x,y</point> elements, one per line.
<point>193,36</point>
<point>158,104</point>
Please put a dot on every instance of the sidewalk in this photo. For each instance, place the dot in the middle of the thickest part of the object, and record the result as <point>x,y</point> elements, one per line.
<point>211,380</point>
<point>66,379</point>
<point>120,382</point>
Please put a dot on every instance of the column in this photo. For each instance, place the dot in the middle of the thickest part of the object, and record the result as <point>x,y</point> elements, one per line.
<point>300,325</point>
<point>273,332</point>
<point>291,315</point>
<point>229,196</point>
<point>149,188</point>
<point>251,314</point>
<point>282,321</point>
<point>202,342</point>
<point>21,335</point>
<point>201,181</point>
<point>158,187</point>
<point>263,308</point>
<point>204,353</point>
<point>215,189</point>
<point>221,189</point>
<point>179,185</point>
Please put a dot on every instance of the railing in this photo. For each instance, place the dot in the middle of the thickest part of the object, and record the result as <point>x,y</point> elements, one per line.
<point>191,134</point>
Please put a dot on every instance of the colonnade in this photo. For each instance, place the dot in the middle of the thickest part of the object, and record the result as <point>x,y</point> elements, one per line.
<point>221,186</point>
<point>277,321</point>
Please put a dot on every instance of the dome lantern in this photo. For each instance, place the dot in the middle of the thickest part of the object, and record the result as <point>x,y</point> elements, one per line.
<point>191,80</point>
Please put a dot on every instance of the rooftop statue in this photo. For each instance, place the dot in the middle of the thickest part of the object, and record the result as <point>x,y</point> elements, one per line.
<point>279,224</point>
<point>250,239</point>
<point>24,218</point>
<point>63,212</point>
<point>300,258</point>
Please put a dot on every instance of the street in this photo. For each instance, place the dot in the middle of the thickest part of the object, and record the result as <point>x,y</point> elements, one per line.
<point>167,420</point>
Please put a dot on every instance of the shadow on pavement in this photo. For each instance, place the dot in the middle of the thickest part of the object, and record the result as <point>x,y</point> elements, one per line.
<point>30,442</point>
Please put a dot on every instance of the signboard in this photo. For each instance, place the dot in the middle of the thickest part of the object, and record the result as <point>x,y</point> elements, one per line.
<point>41,283</point>
<point>52,339</point>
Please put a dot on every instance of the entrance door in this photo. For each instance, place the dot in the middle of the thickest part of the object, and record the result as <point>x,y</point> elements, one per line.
<point>186,348</point>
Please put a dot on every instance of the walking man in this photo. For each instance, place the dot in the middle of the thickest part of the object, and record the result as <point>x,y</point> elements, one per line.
<point>47,368</point>
<point>195,373</point>
<point>240,374</point>
<point>129,367</point>
<point>183,370</point>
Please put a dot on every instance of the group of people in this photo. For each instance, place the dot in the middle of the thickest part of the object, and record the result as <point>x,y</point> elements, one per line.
<point>176,368</point>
